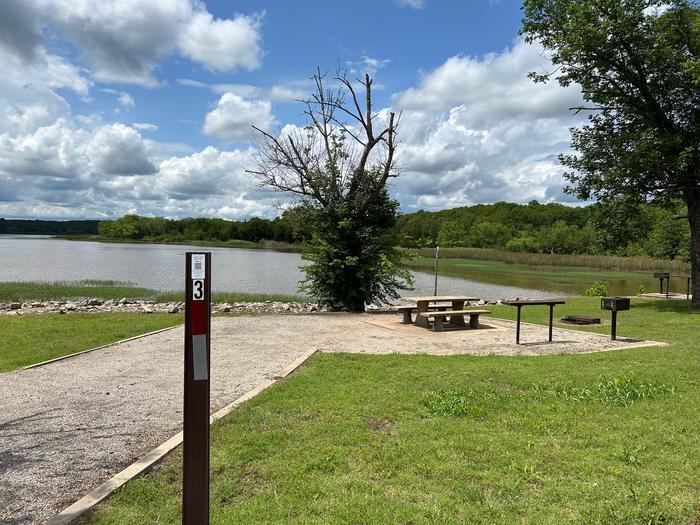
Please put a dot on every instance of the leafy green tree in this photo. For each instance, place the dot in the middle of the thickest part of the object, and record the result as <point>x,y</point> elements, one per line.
<point>452,234</point>
<point>339,166</point>
<point>637,64</point>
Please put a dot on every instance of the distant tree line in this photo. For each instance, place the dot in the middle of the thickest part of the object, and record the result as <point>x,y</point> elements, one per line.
<point>36,227</point>
<point>289,227</point>
<point>615,229</point>
<point>618,229</point>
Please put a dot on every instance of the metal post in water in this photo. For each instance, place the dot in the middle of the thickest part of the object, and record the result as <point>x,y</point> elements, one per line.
<point>437,258</point>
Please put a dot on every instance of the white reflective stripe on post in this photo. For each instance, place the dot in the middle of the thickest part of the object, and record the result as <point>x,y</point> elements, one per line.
<point>199,357</point>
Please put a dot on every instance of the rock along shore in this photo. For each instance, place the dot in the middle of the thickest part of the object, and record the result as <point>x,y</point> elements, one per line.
<point>147,307</point>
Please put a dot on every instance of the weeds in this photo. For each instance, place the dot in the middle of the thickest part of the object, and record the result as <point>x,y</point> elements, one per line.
<point>617,391</point>
<point>620,391</point>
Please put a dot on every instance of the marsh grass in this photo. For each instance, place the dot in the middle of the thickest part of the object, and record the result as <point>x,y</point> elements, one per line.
<point>606,262</point>
<point>108,289</point>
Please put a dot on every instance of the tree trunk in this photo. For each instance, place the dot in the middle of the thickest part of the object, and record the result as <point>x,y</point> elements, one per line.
<point>693,202</point>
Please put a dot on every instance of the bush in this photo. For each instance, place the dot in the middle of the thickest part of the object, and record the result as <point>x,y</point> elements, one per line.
<point>597,290</point>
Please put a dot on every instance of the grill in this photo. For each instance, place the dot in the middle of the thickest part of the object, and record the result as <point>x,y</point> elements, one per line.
<point>615,304</point>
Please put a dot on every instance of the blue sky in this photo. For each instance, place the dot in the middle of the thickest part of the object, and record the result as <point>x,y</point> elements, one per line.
<point>124,107</point>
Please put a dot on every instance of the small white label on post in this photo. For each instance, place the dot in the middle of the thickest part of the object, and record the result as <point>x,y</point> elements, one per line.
<point>198,270</point>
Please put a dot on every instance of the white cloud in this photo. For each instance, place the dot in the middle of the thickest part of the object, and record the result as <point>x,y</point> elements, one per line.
<point>222,45</point>
<point>367,65</point>
<point>277,93</point>
<point>415,4</point>
<point>118,150</point>
<point>144,126</point>
<point>28,96</point>
<point>234,116</point>
<point>124,41</point>
<point>125,99</point>
<point>478,130</point>
<point>105,170</point>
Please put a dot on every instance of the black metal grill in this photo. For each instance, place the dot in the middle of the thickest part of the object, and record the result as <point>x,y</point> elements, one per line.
<point>615,304</point>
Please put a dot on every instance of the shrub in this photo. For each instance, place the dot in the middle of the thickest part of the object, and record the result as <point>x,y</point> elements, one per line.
<point>597,290</point>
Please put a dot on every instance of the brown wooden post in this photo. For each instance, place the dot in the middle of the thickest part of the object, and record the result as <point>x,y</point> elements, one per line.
<point>195,481</point>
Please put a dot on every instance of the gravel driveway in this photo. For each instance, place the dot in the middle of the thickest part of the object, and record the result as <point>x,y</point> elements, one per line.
<point>68,426</point>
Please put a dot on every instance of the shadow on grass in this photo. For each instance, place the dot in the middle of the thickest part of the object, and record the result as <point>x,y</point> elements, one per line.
<point>667,305</point>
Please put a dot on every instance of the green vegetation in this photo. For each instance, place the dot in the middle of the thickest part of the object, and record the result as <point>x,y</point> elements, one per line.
<point>567,279</point>
<point>643,231</point>
<point>605,262</point>
<point>96,289</point>
<point>34,227</point>
<point>637,63</point>
<point>28,340</point>
<point>597,290</point>
<point>645,236</point>
<point>238,234</point>
<point>606,438</point>
<point>339,178</point>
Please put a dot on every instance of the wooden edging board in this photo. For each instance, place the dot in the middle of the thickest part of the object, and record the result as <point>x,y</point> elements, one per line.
<point>61,358</point>
<point>147,461</point>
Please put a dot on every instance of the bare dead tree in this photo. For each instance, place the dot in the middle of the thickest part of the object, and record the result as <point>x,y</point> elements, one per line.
<point>339,152</point>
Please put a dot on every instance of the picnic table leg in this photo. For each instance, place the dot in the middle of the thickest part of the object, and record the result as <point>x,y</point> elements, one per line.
<point>551,318</point>
<point>517,327</point>
<point>407,317</point>
<point>457,320</point>
<point>422,306</point>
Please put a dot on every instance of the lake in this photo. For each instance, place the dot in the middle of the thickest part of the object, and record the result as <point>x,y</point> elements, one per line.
<point>161,267</point>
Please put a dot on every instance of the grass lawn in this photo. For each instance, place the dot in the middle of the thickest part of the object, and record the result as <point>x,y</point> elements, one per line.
<point>567,279</point>
<point>31,339</point>
<point>599,438</point>
<point>97,289</point>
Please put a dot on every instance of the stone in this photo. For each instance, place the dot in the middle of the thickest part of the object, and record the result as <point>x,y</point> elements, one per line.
<point>95,302</point>
<point>71,307</point>
<point>173,309</point>
<point>15,306</point>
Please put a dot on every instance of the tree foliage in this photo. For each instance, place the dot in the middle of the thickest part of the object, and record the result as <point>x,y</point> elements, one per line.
<point>637,64</point>
<point>338,166</point>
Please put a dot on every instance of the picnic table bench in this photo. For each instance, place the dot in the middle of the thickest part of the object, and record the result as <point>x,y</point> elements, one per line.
<point>408,309</point>
<point>457,316</point>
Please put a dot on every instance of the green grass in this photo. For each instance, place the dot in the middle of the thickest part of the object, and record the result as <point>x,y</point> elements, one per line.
<point>605,262</point>
<point>31,339</point>
<point>47,291</point>
<point>606,438</point>
<point>567,279</point>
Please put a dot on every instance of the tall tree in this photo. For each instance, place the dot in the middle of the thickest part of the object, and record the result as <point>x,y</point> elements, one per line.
<point>339,166</point>
<point>638,64</point>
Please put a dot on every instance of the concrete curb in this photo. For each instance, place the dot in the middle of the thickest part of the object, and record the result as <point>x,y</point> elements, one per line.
<point>153,457</point>
<point>61,358</point>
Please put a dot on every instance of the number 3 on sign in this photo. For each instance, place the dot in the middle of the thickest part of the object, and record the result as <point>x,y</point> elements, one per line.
<point>198,289</point>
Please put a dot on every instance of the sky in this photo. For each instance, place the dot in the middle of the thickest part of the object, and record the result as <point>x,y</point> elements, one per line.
<point>116,107</point>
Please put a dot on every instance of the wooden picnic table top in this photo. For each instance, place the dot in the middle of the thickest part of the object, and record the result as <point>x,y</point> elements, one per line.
<point>522,302</point>
<point>439,298</point>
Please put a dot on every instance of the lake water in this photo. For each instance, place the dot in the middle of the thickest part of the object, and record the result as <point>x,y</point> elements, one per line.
<point>161,267</point>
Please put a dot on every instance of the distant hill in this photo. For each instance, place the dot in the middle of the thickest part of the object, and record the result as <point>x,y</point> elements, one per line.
<point>37,227</point>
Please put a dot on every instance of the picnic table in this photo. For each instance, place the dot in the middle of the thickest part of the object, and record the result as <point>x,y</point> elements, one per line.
<point>519,303</point>
<point>423,305</point>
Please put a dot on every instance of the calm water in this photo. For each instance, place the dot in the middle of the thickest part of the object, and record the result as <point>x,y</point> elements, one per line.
<point>161,267</point>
